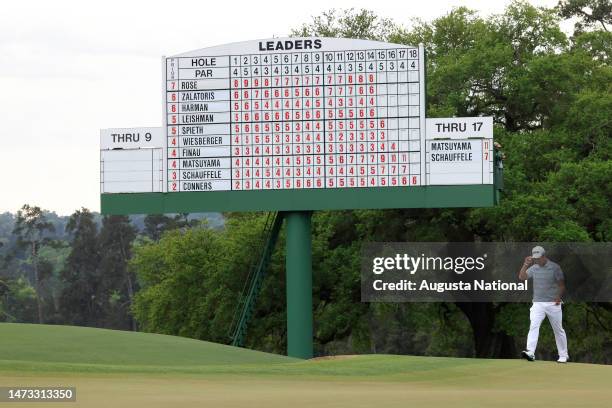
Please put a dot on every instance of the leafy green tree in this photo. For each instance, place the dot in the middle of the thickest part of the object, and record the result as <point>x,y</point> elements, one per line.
<point>156,224</point>
<point>507,66</point>
<point>591,13</point>
<point>32,230</point>
<point>19,302</point>
<point>350,23</point>
<point>184,282</point>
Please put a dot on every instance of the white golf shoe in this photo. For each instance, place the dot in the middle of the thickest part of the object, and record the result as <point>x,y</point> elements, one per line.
<point>562,360</point>
<point>527,355</point>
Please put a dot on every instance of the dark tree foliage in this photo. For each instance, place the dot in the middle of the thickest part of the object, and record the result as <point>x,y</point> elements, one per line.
<point>117,282</point>
<point>348,24</point>
<point>32,231</point>
<point>98,286</point>
<point>590,13</point>
<point>80,302</point>
<point>156,224</point>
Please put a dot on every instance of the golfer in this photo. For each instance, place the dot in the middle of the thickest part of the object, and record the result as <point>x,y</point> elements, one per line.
<point>548,287</point>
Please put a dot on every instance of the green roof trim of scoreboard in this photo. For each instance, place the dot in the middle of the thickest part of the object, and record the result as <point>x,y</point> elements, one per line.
<point>300,200</point>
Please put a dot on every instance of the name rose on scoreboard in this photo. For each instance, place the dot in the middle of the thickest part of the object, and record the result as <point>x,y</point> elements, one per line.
<point>295,114</point>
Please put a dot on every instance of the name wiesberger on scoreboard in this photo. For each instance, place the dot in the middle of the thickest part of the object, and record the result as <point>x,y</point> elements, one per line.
<point>294,114</point>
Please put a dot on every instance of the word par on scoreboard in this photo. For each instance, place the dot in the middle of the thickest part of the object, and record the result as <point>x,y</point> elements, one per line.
<point>319,113</point>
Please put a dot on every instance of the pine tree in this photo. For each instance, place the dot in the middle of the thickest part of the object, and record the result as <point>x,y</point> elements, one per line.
<point>79,302</point>
<point>117,286</point>
<point>32,231</point>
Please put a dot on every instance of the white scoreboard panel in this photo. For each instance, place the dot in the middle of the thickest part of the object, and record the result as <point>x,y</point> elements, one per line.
<point>459,151</point>
<point>298,113</point>
<point>131,160</point>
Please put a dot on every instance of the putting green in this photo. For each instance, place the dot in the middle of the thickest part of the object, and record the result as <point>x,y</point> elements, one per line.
<point>121,369</point>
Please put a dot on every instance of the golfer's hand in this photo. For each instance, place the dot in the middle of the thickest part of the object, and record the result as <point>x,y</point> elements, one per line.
<point>528,261</point>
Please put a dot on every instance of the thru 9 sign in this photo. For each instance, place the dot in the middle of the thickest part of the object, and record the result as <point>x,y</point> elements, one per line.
<point>289,114</point>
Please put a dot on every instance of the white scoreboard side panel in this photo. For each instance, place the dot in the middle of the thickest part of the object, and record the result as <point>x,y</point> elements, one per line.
<point>459,151</point>
<point>131,170</point>
<point>131,160</point>
<point>222,107</point>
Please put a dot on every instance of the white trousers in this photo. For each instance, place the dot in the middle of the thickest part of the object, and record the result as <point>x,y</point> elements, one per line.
<point>538,312</point>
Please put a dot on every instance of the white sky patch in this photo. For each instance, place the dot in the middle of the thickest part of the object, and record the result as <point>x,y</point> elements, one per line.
<point>70,68</point>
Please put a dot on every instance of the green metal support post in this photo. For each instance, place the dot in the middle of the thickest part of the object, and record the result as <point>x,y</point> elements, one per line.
<point>299,284</point>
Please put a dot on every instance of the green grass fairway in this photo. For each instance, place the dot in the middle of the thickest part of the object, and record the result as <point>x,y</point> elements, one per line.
<point>121,369</point>
<point>94,347</point>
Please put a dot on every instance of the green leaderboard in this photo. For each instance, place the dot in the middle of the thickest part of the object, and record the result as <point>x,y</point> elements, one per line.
<point>292,126</point>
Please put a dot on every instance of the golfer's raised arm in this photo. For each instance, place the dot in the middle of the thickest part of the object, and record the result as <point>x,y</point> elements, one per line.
<point>523,272</point>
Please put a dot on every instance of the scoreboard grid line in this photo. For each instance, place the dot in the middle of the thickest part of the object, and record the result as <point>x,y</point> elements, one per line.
<point>231,170</point>
<point>324,130</point>
<point>400,48</point>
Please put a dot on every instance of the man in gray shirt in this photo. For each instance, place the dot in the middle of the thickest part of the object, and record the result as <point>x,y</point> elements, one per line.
<point>548,287</point>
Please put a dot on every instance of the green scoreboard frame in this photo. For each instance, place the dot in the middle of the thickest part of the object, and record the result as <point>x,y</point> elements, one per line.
<point>423,195</point>
<point>302,200</point>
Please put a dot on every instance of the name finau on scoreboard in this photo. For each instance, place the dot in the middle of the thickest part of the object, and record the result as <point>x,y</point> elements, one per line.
<point>290,45</point>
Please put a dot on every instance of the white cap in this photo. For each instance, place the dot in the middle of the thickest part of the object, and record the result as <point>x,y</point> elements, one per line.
<point>537,252</point>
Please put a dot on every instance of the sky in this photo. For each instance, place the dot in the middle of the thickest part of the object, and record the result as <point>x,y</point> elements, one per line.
<point>70,68</point>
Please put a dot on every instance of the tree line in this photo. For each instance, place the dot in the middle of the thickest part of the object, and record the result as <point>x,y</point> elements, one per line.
<point>74,270</point>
